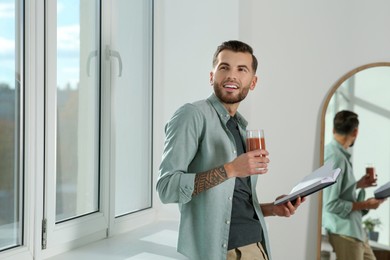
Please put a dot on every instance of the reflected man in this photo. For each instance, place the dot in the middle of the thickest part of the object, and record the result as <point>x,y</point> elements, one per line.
<point>343,208</point>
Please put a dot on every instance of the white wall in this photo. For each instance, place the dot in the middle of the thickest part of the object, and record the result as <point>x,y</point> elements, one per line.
<point>303,47</point>
<point>186,36</point>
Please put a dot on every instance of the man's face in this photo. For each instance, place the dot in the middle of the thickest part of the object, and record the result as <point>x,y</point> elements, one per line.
<point>233,76</point>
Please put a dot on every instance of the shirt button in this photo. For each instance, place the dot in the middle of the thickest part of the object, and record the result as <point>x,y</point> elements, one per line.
<point>224,245</point>
<point>234,151</point>
<point>230,198</point>
<point>228,222</point>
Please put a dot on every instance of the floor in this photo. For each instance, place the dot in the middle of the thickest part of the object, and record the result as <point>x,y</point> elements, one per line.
<point>153,242</point>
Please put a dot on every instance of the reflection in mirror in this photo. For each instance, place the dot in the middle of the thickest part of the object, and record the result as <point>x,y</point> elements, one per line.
<point>366,91</point>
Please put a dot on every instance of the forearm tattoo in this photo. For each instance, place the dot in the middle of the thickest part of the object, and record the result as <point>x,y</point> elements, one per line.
<point>209,179</point>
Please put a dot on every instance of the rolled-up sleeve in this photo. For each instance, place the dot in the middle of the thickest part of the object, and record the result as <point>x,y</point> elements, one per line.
<point>183,134</point>
<point>334,204</point>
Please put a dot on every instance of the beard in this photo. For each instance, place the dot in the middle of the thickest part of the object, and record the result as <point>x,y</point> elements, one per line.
<point>229,98</point>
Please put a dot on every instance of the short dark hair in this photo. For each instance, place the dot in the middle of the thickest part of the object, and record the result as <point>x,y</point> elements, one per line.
<point>236,46</point>
<point>345,122</point>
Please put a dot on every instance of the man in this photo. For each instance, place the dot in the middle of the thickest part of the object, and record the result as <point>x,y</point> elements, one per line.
<point>206,171</point>
<point>342,207</point>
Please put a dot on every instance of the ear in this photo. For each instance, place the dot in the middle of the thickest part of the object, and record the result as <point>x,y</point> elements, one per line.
<point>211,78</point>
<point>355,132</point>
<point>253,83</point>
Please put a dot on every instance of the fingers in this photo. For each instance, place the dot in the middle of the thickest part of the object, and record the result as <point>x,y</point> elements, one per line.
<point>258,153</point>
<point>292,208</point>
<point>259,168</point>
<point>375,203</point>
<point>258,162</point>
<point>298,202</point>
<point>288,209</point>
<point>247,164</point>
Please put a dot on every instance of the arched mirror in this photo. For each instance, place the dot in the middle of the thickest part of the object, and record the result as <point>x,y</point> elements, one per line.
<point>366,91</point>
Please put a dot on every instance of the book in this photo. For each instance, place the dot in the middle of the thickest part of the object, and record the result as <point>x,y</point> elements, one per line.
<point>316,181</point>
<point>383,191</point>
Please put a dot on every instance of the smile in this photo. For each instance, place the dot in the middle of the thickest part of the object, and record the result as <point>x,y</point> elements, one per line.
<point>230,86</point>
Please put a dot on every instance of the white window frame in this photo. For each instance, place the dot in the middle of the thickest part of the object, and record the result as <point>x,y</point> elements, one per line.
<point>81,230</point>
<point>128,222</point>
<point>37,99</point>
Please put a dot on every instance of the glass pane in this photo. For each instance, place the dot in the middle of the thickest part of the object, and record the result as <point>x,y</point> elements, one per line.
<point>10,77</point>
<point>77,190</point>
<point>370,82</point>
<point>131,32</point>
<point>375,151</point>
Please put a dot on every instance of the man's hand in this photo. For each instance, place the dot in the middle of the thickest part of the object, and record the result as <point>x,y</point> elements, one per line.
<point>371,203</point>
<point>254,162</point>
<point>244,165</point>
<point>284,210</point>
<point>366,182</point>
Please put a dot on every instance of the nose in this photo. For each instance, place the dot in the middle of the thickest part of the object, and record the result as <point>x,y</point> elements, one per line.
<point>232,75</point>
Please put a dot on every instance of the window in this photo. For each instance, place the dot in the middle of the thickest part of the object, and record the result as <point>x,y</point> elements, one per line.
<point>75,122</point>
<point>131,114</point>
<point>11,113</point>
<point>78,110</point>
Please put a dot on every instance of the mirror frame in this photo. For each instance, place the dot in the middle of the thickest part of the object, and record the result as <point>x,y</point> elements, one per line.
<point>322,135</point>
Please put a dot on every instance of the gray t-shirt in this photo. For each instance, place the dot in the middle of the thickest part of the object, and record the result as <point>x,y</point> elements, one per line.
<point>245,228</point>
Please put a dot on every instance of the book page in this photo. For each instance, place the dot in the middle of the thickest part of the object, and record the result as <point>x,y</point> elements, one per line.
<point>317,180</point>
<point>321,175</point>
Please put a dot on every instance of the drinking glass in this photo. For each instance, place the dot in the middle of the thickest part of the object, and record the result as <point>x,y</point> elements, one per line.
<point>255,140</point>
<point>370,170</point>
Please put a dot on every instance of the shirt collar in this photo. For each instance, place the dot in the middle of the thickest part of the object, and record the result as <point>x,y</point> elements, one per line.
<point>341,148</point>
<point>223,113</point>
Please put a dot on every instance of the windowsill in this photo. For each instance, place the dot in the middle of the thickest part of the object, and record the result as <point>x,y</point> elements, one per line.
<point>154,241</point>
<point>378,246</point>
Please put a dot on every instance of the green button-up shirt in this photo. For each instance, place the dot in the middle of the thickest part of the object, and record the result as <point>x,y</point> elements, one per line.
<point>198,140</point>
<point>337,214</point>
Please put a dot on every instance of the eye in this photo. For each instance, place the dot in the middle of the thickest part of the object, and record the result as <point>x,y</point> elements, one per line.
<point>223,67</point>
<point>243,69</point>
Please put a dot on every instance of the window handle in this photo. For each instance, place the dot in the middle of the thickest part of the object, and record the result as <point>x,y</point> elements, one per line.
<point>91,55</point>
<point>115,54</point>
